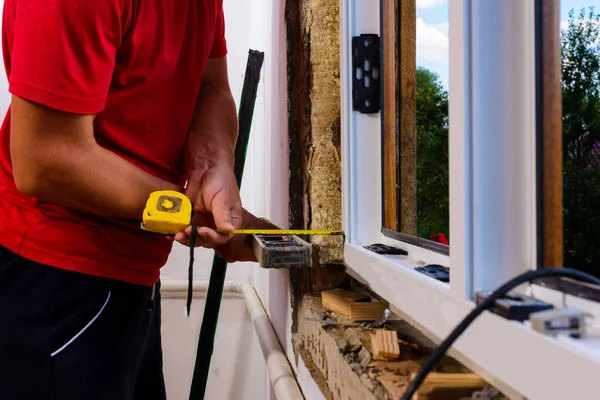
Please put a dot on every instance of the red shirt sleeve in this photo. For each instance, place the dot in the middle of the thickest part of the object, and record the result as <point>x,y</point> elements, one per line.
<point>219,46</point>
<point>64,52</point>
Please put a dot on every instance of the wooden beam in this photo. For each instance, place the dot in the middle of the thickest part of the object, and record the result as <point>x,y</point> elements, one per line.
<point>391,57</point>
<point>448,386</point>
<point>399,49</point>
<point>352,305</point>
<point>408,116</point>
<point>549,114</point>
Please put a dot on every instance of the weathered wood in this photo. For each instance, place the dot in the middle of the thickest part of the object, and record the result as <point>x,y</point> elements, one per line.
<point>314,129</point>
<point>346,378</point>
<point>550,114</point>
<point>393,376</point>
<point>298,73</point>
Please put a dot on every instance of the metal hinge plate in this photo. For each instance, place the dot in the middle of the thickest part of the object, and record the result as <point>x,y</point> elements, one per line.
<point>366,72</point>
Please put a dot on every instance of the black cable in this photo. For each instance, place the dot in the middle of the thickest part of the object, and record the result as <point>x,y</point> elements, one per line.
<point>190,292</point>
<point>530,276</point>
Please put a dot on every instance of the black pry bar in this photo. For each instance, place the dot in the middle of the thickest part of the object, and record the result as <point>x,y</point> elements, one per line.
<point>216,283</point>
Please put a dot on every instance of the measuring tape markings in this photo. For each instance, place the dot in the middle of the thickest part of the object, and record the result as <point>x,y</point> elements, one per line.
<point>318,232</point>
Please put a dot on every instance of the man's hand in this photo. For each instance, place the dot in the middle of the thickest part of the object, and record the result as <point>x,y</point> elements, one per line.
<point>209,158</point>
<point>217,204</point>
<point>239,248</point>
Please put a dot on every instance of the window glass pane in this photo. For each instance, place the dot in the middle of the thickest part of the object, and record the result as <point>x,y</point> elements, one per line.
<point>580,42</point>
<point>432,219</point>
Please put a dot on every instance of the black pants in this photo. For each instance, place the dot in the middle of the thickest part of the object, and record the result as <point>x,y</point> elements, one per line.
<point>70,336</point>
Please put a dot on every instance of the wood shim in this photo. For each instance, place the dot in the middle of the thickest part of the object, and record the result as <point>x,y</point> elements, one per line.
<point>353,305</point>
<point>448,386</point>
<point>385,345</point>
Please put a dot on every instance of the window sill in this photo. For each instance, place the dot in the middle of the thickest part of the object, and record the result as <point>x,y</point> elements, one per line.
<point>509,355</point>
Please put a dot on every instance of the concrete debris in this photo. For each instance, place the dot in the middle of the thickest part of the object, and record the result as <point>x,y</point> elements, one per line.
<point>342,355</point>
<point>487,393</point>
<point>351,335</point>
<point>364,357</point>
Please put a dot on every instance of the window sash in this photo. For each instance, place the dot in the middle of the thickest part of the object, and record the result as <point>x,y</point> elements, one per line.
<point>432,306</point>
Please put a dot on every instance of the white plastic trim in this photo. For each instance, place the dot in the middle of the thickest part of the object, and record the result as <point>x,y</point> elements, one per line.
<point>459,152</point>
<point>361,136</point>
<point>502,124</point>
<point>419,254</point>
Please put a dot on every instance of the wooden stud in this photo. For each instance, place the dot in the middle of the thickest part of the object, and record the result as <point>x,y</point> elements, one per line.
<point>384,344</point>
<point>339,300</point>
<point>448,386</point>
<point>353,305</point>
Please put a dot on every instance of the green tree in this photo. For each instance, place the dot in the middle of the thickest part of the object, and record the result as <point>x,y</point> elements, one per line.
<point>580,43</point>
<point>432,155</point>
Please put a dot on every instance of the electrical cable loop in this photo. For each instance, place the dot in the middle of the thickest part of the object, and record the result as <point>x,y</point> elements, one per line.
<point>529,276</point>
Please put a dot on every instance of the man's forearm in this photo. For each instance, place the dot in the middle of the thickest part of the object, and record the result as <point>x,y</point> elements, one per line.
<point>94,180</point>
<point>56,158</point>
<point>213,132</point>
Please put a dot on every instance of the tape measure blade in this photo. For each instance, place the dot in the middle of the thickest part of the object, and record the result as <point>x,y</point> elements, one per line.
<point>286,232</point>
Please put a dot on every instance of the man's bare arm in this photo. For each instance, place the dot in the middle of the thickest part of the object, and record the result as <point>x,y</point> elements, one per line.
<point>213,132</point>
<point>209,156</point>
<point>56,159</point>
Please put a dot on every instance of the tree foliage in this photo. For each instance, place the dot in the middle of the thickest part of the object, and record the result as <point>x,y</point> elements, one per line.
<point>580,43</point>
<point>432,155</point>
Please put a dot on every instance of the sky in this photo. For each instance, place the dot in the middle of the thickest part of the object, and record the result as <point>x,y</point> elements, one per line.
<point>432,32</point>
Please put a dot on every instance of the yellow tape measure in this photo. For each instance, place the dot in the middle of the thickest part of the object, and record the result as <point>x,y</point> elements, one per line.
<point>168,212</point>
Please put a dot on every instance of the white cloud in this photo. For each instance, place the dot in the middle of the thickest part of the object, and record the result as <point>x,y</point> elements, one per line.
<point>443,27</point>
<point>432,42</point>
<point>429,3</point>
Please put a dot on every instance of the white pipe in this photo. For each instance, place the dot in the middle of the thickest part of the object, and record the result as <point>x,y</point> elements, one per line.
<point>282,378</point>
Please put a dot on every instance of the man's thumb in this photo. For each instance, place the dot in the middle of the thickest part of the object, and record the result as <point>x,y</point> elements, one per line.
<point>226,216</point>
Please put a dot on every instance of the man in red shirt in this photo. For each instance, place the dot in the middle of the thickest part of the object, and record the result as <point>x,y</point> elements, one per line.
<point>111,100</point>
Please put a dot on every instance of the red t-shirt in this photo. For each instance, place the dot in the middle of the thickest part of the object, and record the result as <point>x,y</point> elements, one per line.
<point>138,64</point>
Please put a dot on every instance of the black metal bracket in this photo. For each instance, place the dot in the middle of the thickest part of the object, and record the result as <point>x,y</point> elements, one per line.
<point>385,249</point>
<point>435,271</point>
<point>366,72</point>
<point>514,306</point>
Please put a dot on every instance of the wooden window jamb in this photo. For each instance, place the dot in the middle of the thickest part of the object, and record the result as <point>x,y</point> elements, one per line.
<point>549,134</point>
<point>399,50</point>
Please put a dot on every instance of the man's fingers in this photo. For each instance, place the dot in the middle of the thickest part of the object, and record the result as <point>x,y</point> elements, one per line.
<point>183,238</point>
<point>226,209</point>
<point>206,237</point>
<point>210,238</point>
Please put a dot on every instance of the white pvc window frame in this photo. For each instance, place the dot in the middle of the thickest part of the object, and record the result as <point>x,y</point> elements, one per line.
<point>492,204</point>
